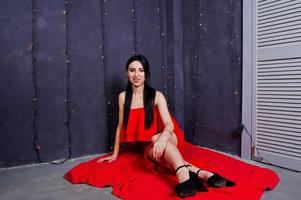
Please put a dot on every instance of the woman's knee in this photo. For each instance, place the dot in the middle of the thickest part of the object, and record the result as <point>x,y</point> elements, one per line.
<point>150,155</point>
<point>173,138</point>
<point>155,138</point>
<point>170,146</point>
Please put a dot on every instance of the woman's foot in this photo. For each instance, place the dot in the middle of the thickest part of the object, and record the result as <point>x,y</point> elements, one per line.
<point>182,174</point>
<point>188,182</point>
<point>218,181</point>
<point>214,179</point>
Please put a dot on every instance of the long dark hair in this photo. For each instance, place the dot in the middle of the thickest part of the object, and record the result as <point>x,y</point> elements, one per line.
<point>149,93</point>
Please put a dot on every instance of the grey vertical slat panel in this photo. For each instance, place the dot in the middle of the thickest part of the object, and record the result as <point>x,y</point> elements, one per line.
<point>247,78</point>
<point>277,87</point>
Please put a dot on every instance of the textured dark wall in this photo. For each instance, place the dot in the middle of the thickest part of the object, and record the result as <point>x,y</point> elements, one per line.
<point>15,84</point>
<point>99,36</point>
<point>212,72</point>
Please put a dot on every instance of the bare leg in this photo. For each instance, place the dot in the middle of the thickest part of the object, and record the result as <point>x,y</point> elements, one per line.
<point>175,154</point>
<point>203,174</point>
<point>174,158</point>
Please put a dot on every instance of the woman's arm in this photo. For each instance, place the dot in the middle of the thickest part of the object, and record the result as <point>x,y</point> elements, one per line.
<point>160,143</point>
<point>164,113</point>
<point>121,99</point>
<point>114,155</point>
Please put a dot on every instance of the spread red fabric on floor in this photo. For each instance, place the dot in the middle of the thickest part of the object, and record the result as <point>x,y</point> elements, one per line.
<point>135,178</point>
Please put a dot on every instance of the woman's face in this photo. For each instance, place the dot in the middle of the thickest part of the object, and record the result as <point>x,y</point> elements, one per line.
<point>136,74</point>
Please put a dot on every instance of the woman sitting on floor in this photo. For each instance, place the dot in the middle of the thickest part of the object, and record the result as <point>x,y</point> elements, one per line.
<point>141,108</point>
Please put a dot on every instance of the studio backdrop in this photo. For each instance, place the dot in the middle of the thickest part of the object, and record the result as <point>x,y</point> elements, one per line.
<point>63,66</point>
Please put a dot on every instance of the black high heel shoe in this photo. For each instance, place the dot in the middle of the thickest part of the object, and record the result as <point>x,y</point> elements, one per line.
<point>218,181</point>
<point>189,187</point>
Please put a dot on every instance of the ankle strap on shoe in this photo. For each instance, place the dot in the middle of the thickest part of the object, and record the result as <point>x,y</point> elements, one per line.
<point>197,173</point>
<point>181,167</point>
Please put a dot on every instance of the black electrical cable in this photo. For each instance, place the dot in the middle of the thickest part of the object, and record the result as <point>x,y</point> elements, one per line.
<point>265,161</point>
<point>68,92</point>
<point>68,87</point>
<point>36,96</point>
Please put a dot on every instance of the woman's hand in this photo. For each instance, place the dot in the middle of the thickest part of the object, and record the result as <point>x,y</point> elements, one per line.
<point>159,146</point>
<point>109,159</point>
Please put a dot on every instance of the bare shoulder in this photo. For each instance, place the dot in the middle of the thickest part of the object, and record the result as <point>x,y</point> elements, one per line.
<point>121,94</point>
<point>159,98</point>
<point>121,98</point>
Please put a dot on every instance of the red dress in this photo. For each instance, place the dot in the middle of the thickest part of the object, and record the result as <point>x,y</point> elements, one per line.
<point>136,130</point>
<point>133,177</point>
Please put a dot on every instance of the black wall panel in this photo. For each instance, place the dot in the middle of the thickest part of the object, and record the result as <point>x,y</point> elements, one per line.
<point>15,84</point>
<point>149,38</point>
<point>88,119</point>
<point>51,75</point>
<point>212,71</point>
<point>118,47</point>
<point>175,71</point>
